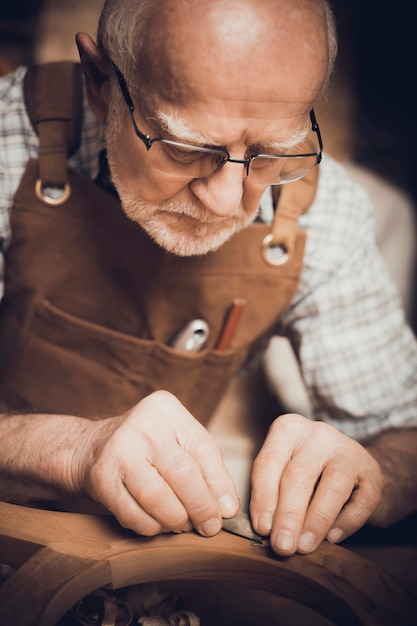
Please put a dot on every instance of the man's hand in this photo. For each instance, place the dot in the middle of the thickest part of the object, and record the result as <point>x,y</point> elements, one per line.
<point>157,469</point>
<point>311,482</point>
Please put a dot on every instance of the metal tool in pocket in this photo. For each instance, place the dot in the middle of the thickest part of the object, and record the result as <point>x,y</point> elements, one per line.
<point>192,337</point>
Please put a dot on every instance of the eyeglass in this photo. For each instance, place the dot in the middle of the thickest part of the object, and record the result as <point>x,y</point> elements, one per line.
<point>184,160</point>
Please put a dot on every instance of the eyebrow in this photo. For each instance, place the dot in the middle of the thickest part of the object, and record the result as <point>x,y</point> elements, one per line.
<point>297,137</point>
<point>175,127</point>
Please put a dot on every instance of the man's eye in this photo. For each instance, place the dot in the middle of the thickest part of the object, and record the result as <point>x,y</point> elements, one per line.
<point>263,162</point>
<point>181,155</point>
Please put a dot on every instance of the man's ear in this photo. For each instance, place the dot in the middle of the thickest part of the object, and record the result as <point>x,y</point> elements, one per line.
<point>96,69</point>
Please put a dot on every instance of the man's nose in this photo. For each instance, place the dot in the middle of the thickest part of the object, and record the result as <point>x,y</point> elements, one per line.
<point>221,192</point>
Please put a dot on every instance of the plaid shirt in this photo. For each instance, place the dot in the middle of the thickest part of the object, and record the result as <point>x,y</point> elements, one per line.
<point>357,356</point>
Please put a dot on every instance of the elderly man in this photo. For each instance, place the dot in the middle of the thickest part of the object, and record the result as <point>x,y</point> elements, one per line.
<point>206,107</point>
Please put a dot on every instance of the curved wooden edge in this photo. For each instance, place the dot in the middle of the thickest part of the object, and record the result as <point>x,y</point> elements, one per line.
<point>76,534</point>
<point>47,585</point>
<point>333,581</point>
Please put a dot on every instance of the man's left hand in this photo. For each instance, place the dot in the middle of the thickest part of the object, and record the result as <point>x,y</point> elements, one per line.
<point>311,482</point>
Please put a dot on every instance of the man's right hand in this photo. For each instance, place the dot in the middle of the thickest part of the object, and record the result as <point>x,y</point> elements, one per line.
<point>156,468</point>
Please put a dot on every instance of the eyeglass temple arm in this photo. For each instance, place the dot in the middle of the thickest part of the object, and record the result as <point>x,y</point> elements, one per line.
<point>129,102</point>
<point>316,128</point>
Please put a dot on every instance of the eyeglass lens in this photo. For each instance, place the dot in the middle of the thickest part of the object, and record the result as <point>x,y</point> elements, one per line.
<point>184,162</point>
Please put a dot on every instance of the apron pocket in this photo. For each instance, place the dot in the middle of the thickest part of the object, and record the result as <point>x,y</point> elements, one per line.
<point>69,365</point>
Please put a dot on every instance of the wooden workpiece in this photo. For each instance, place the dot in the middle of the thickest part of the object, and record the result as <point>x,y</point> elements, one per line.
<point>62,557</point>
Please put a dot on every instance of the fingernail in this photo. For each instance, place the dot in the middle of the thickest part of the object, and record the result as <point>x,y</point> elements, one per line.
<point>335,535</point>
<point>211,527</point>
<point>264,524</point>
<point>284,540</point>
<point>228,505</point>
<point>306,542</point>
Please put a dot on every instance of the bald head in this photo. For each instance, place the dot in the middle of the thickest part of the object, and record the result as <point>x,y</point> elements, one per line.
<point>195,45</point>
<point>172,46</point>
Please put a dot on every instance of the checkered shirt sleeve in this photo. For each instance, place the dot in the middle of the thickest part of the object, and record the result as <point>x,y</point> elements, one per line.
<point>357,355</point>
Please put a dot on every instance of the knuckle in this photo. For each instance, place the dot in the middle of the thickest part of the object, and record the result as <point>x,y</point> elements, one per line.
<point>204,444</point>
<point>355,516</point>
<point>164,404</point>
<point>357,512</point>
<point>339,482</point>
<point>147,529</point>
<point>300,476</point>
<point>292,419</point>
<point>266,463</point>
<point>366,506</point>
<point>291,518</point>
<point>161,396</point>
<point>133,517</point>
<point>177,522</point>
<point>153,408</point>
<point>150,495</point>
<point>322,519</point>
<point>179,469</point>
<point>202,511</point>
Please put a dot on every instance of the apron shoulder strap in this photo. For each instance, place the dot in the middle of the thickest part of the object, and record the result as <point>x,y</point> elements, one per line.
<point>53,97</point>
<point>293,200</point>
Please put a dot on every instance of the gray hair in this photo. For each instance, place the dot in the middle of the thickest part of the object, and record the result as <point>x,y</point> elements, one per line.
<point>121,32</point>
<point>123,27</point>
<point>332,41</point>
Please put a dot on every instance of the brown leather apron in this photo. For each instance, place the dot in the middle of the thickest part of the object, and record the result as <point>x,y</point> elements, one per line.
<point>91,303</point>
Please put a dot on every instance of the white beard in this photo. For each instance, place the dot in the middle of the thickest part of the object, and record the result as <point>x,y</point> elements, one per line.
<point>177,227</point>
<point>183,228</point>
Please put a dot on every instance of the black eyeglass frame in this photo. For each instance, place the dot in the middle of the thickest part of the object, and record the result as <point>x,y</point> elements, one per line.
<point>149,141</point>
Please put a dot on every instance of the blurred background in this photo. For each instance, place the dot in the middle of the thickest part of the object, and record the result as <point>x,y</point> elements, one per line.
<point>367,119</point>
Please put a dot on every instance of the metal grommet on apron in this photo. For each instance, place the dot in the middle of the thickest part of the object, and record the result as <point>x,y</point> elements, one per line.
<point>274,253</point>
<point>293,200</point>
<point>55,197</point>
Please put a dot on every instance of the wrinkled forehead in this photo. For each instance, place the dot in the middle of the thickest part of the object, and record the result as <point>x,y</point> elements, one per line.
<point>273,50</point>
